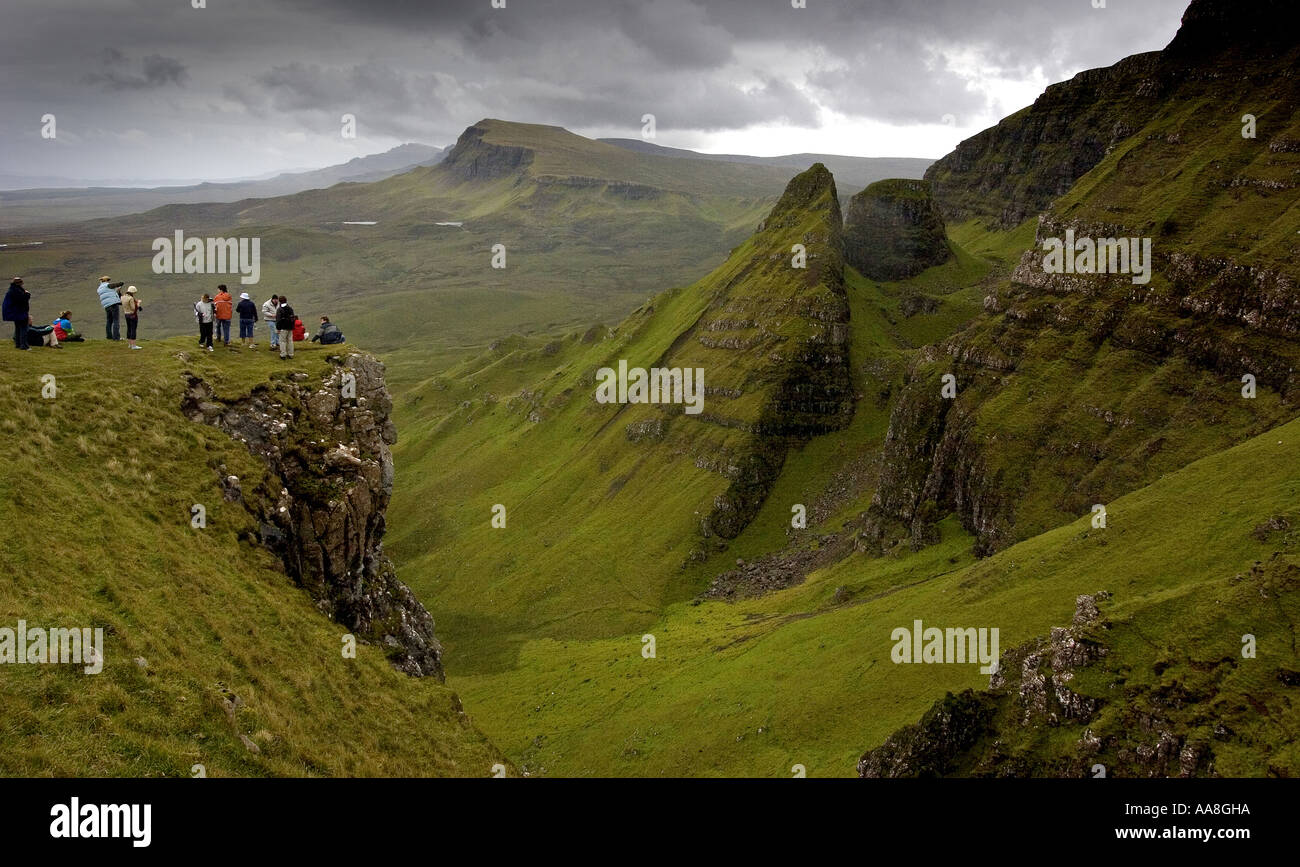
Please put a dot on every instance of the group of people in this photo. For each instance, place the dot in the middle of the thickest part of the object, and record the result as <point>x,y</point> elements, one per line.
<point>17,309</point>
<point>215,314</point>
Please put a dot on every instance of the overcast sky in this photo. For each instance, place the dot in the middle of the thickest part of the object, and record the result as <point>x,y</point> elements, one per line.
<point>159,89</point>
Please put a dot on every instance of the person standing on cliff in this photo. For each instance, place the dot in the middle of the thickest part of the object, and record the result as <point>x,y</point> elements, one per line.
<point>205,312</point>
<point>17,306</point>
<point>247,311</point>
<point>269,307</point>
<point>131,308</point>
<point>224,305</point>
<point>284,320</point>
<point>111,300</point>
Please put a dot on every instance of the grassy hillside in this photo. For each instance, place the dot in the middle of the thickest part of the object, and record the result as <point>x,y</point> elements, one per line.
<point>805,676</point>
<point>802,675</point>
<point>97,494</point>
<point>590,231</point>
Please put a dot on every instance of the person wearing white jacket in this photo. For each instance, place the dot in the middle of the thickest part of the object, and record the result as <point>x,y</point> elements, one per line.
<point>269,309</point>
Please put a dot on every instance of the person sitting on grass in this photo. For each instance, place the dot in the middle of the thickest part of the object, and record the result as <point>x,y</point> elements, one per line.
<point>43,336</point>
<point>64,331</point>
<point>328,334</point>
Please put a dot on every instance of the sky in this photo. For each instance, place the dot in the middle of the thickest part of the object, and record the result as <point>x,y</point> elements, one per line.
<point>161,90</point>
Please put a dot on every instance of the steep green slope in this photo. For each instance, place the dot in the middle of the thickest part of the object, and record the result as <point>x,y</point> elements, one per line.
<point>1227,60</point>
<point>1071,390</point>
<point>1077,387</point>
<point>804,675</point>
<point>211,655</point>
<point>632,491</point>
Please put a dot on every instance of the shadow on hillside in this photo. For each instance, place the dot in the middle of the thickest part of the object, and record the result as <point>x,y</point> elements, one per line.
<point>475,643</point>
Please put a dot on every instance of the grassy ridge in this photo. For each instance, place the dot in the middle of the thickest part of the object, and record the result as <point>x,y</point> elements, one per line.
<point>802,677</point>
<point>95,498</point>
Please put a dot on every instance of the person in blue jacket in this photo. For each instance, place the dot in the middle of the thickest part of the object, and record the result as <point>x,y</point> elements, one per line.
<point>111,300</point>
<point>17,309</point>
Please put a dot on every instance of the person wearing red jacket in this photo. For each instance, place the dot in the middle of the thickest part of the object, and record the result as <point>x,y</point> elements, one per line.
<point>299,331</point>
<point>225,309</point>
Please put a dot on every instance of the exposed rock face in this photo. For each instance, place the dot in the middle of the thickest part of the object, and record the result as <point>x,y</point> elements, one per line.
<point>893,230</point>
<point>776,571</point>
<point>1030,696</point>
<point>774,343</point>
<point>1014,170</point>
<point>333,475</point>
<point>472,158</point>
<point>1219,301</point>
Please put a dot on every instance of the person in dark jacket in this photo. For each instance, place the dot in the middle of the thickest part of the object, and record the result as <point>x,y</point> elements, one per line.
<point>42,335</point>
<point>247,311</point>
<point>284,320</point>
<point>17,307</point>
<point>328,334</point>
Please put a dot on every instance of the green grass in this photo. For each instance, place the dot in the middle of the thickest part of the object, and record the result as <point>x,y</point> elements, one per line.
<point>750,689</point>
<point>96,497</point>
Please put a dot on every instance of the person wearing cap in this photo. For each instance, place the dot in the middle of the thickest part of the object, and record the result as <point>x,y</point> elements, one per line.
<point>247,311</point>
<point>131,308</point>
<point>17,306</point>
<point>111,300</point>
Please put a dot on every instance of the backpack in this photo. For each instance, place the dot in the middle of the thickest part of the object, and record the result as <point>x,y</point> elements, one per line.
<point>284,318</point>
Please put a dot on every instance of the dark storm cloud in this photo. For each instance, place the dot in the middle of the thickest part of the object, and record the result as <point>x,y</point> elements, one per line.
<point>247,77</point>
<point>881,59</point>
<point>155,71</point>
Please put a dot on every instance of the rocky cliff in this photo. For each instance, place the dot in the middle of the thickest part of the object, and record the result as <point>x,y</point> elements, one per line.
<point>472,158</point>
<point>1031,693</point>
<point>1074,388</point>
<point>774,341</point>
<point>893,230</point>
<point>327,444</point>
<point>1015,170</point>
<point>1122,692</point>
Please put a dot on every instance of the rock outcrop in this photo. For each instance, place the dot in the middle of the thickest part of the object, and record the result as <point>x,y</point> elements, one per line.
<point>1013,171</point>
<point>326,445</point>
<point>473,158</point>
<point>1212,305</point>
<point>893,230</point>
<point>1006,730</point>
